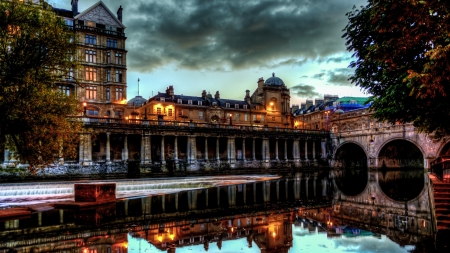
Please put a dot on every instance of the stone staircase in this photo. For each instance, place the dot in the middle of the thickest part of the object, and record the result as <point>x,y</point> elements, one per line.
<point>441,192</point>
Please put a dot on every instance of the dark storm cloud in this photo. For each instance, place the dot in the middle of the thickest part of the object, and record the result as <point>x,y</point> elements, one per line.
<point>214,35</point>
<point>340,76</point>
<point>304,91</point>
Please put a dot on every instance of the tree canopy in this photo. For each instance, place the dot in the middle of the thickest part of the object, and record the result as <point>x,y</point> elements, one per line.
<point>36,55</point>
<point>402,51</point>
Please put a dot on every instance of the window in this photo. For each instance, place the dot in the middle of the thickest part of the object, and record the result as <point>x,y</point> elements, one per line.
<point>68,22</point>
<point>170,112</point>
<point>199,103</point>
<point>254,117</point>
<point>91,92</point>
<point>64,89</point>
<point>91,56</point>
<point>162,99</point>
<point>245,106</point>
<point>108,75</point>
<point>119,93</point>
<point>200,115</point>
<point>189,102</point>
<point>236,106</point>
<point>246,117</point>
<point>237,116</point>
<point>180,113</point>
<point>90,39</point>
<point>118,114</point>
<point>118,76</point>
<point>108,57</point>
<point>111,43</point>
<point>108,93</point>
<point>70,77</point>
<point>257,107</point>
<point>273,118</point>
<point>92,112</point>
<point>214,103</point>
<point>227,105</point>
<point>118,58</point>
<point>179,101</point>
<point>158,110</point>
<point>262,118</point>
<point>91,74</point>
<point>90,23</point>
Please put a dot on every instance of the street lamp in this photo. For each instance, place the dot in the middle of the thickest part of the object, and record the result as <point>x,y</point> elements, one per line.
<point>231,123</point>
<point>84,107</point>
<point>327,115</point>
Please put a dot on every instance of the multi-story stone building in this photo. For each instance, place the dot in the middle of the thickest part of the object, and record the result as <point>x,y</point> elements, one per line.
<point>100,82</point>
<point>267,106</point>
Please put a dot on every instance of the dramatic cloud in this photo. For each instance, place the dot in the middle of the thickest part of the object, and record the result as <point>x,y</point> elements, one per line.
<point>304,91</point>
<point>340,76</point>
<point>319,76</point>
<point>232,35</point>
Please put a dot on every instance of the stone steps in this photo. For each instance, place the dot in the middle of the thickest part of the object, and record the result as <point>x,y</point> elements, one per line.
<point>441,192</point>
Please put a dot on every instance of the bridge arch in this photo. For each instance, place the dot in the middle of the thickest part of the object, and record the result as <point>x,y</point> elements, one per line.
<point>444,149</point>
<point>399,153</point>
<point>348,149</point>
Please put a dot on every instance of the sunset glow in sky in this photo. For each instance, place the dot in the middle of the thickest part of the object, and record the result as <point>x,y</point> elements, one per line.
<point>221,45</point>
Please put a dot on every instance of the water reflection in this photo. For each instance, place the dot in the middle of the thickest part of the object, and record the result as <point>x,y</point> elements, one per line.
<point>302,212</point>
<point>402,185</point>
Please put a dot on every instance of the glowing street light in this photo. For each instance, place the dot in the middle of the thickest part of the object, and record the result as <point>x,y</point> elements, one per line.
<point>84,107</point>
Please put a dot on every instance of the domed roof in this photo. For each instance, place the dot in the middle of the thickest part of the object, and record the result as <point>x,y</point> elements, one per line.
<point>274,81</point>
<point>137,101</point>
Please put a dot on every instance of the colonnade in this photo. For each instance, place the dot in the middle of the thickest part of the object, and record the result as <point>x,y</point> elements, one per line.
<point>281,150</point>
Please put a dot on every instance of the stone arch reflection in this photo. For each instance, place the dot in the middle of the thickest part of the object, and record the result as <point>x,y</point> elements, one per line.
<point>401,184</point>
<point>350,171</point>
<point>400,154</point>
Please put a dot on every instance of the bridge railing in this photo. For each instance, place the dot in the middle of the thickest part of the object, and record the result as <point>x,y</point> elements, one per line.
<point>441,168</point>
<point>141,123</point>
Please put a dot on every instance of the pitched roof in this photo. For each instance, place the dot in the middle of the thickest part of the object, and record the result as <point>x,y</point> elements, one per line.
<point>100,3</point>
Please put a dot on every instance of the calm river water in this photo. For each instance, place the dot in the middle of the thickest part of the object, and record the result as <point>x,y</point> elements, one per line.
<point>308,211</point>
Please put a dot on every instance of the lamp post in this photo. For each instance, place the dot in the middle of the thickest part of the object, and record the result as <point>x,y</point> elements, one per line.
<point>327,115</point>
<point>231,123</point>
<point>84,107</point>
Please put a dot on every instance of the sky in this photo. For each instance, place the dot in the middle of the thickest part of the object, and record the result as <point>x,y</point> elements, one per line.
<point>227,45</point>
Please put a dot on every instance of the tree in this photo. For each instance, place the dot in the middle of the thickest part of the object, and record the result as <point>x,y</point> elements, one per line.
<point>402,59</point>
<point>36,52</point>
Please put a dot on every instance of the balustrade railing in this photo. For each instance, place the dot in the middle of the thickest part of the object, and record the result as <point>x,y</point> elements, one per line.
<point>133,123</point>
<point>441,168</point>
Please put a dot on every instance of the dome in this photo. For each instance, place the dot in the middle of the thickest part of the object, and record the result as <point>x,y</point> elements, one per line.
<point>137,101</point>
<point>274,81</point>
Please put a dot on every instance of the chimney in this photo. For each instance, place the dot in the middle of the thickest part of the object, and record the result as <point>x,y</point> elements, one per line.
<point>260,82</point>
<point>74,7</point>
<point>119,13</point>
<point>247,96</point>
<point>204,94</point>
<point>217,96</point>
<point>169,91</point>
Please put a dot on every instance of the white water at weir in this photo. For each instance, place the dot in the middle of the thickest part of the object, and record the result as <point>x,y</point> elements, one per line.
<point>22,194</point>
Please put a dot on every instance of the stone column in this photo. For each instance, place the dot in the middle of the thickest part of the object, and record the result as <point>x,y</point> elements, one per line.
<point>108,148</point>
<point>163,158</point>
<point>266,191</point>
<point>244,192</point>
<point>254,150</point>
<point>314,150</point>
<point>266,150</point>
<point>175,149</point>
<point>176,201</point>
<point>231,195</point>
<point>297,185</point>
<point>206,148</point>
<point>231,150</point>
<point>125,148</point>
<point>323,147</point>
<point>254,193</point>
<point>218,196</point>
<point>217,149</point>
<point>276,149</point>
<point>193,145</point>
<point>314,184</point>
<point>145,149</point>
<point>278,190</point>
<point>306,150</point>
<point>125,207</point>
<point>61,216</point>
<point>163,203</point>
<point>206,197</point>
<point>285,150</point>
<point>306,185</point>
<point>243,149</point>
<point>85,149</point>
<point>295,150</point>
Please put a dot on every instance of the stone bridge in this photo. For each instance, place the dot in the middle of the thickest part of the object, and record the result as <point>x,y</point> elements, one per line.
<point>358,138</point>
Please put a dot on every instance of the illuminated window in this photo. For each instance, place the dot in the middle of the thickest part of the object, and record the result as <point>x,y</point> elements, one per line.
<point>90,23</point>
<point>119,93</point>
<point>118,58</point>
<point>91,92</point>
<point>262,118</point>
<point>170,112</point>
<point>158,110</point>
<point>91,56</point>
<point>200,115</point>
<point>118,76</point>
<point>91,74</point>
<point>90,39</point>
